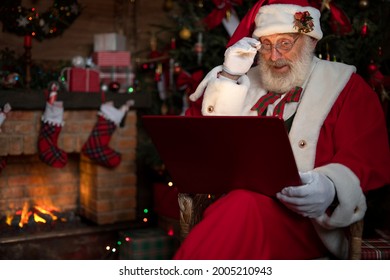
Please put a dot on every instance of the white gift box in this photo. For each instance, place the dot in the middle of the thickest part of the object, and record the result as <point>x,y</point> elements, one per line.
<point>109,42</point>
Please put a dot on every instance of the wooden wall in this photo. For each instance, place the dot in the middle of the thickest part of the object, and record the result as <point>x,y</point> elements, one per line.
<point>131,17</point>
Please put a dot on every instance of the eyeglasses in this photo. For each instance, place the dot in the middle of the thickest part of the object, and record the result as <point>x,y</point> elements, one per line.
<point>282,46</point>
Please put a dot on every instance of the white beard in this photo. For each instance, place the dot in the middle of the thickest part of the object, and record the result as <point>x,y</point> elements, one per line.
<point>296,76</point>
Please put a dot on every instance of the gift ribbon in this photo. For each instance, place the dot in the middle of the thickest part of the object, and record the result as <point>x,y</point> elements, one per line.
<point>188,81</point>
<point>222,8</point>
<point>339,21</point>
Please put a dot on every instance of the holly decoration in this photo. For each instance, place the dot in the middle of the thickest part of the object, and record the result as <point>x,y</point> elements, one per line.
<point>51,23</point>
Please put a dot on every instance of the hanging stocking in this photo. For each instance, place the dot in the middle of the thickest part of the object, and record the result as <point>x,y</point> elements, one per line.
<point>97,147</point>
<point>3,116</point>
<point>51,125</point>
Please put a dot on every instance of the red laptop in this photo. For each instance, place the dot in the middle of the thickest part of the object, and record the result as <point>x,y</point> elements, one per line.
<point>214,155</point>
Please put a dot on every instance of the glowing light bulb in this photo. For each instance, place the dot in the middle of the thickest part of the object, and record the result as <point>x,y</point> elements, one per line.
<point>170,184</point>
<point>107,248</point>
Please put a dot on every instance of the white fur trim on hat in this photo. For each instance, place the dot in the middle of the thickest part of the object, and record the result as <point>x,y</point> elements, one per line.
<point>279,18</point>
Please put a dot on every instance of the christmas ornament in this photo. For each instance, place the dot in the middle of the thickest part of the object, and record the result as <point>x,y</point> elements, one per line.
<point>11,80</point>
<point>114,86</point>
<point>223,10</point>
<point>168,5</point>
<point>376,78</point>
<point>364,30</point>
<point>51,23</point>
<point>185,33</point>
<point>51,125</point>
<point>363,4</point>
<point>78,61</point>
<point>303,22</point>
<point>97,147</point>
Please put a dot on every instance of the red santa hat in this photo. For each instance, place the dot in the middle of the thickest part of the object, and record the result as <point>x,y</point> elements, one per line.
<point>279,16</point>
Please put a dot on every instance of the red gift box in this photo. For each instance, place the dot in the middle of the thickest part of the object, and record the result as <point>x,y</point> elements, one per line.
<point>83,80</point>
<point>111,58</point>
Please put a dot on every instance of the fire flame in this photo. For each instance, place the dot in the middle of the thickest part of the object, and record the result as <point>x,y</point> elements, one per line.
<point>36,211</point>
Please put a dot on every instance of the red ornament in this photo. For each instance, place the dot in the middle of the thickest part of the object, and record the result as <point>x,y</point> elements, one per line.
<point>173,44</point>
<point>114,86</point>
<point>364,30</point>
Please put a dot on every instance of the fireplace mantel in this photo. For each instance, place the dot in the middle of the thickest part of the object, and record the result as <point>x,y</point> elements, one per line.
<point>36,99</point>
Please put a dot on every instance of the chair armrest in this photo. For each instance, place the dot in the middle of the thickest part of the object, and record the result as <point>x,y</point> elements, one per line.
<point>355,240</point>
<point>192,207</point>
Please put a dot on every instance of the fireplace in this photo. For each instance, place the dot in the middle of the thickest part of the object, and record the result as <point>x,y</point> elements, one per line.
<point>36,192</point>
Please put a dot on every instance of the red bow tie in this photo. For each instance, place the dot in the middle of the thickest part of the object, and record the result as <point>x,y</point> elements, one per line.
<point>292,96</point>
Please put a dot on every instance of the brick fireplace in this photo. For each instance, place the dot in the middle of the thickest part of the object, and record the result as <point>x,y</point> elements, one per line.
<point>101,195</point>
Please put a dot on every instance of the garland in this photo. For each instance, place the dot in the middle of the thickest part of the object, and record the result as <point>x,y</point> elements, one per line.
<point>28,21</point>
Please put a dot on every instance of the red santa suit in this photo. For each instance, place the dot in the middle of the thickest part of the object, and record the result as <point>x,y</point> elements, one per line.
<point>338,130</point>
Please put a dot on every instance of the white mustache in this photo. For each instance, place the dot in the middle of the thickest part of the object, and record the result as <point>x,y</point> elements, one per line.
<point>278,63</point>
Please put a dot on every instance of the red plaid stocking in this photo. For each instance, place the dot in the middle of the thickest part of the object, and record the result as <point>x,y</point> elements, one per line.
<point>51,126</point>
<point>97,147</point>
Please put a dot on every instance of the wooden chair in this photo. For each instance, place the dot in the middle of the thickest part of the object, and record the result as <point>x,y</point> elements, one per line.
<point>192,207</point>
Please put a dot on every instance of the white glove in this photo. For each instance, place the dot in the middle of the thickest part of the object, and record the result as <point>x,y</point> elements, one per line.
<point>212,75</point>
<point>310,199</point>
<point>239,57</point>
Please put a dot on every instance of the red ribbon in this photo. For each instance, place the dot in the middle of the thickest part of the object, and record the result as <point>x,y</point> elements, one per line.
<point>216,16</point>
<point>188,81</point>
<point>339,21</point>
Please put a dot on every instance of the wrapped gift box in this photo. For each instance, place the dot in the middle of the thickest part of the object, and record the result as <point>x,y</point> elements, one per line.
<point>83,80</point>
<point>147,244</point>
<point>123,75</point>
<point>109,42</point>
<point>111,59</point>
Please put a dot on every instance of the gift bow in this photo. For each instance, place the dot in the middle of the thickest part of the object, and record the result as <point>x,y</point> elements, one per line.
<point>339,21</point>
<point>188,81</point>
<point>222,8</point>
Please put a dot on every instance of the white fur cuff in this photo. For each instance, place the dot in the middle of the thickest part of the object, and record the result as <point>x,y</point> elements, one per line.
<point>54,113</point>
<point>225,98</point>
<point>352,202</point>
